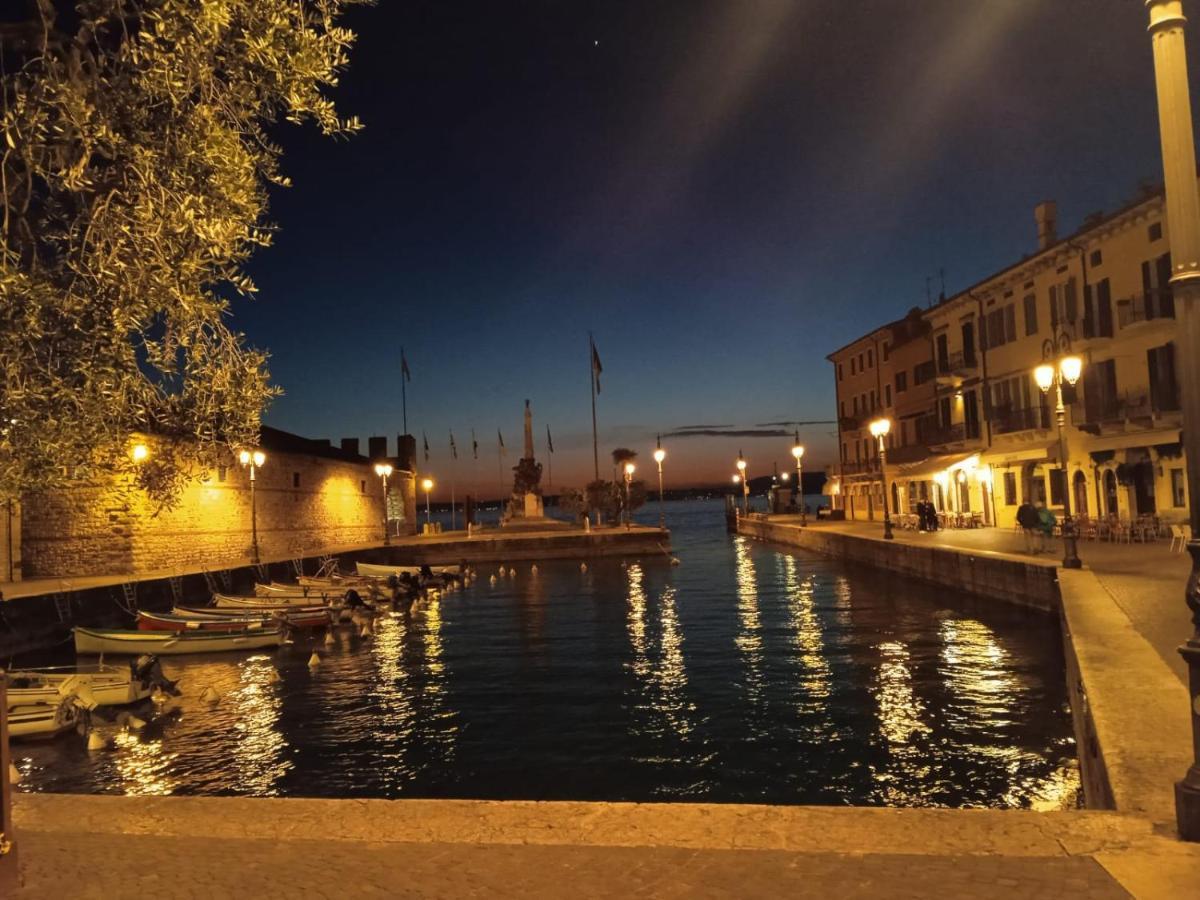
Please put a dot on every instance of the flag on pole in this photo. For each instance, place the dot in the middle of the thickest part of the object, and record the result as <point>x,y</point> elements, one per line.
<point>404,366</point>
<point>474,445</point>
<point>453,449</point>
<point>596,367</point>
<point>426,441</point>
<point>500,439</point>
<point>549,440</point>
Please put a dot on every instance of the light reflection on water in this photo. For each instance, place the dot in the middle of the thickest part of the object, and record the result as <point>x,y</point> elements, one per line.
<point>745,674</point>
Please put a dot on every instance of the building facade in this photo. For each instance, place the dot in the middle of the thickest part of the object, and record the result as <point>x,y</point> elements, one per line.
<point>985,435</point>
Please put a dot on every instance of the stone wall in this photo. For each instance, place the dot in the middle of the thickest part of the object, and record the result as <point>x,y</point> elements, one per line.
<point>305,503</point>
<point>992,575</point>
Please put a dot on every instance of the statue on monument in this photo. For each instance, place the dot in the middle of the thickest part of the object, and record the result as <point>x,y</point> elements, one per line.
<point>527,478</point>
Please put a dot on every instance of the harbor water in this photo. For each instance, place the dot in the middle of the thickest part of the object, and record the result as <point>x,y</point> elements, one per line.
<point>747,673</point>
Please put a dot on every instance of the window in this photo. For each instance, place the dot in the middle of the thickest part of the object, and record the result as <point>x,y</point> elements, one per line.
<point>1097,310</point>
<point>845,453</point>
<point>1100,399</point>
<point>362,487</point>
<point>1178,493</point>
<point>944,407</point>
<point>1030,314</point>
<point>887,395</point>
<point>1010,488</point>
<point>860,363</point>
<point>857,450</point>
<point>1154,232</point>
<point>870,358</point>
<point>221,473</point>
<point>873,405</point>
<point>840,373</point>
<point>1056,487</point>
<point>1000,327</point>
<point>1164,389</point>
<point>842,408</point>
<point>855,399</point>
<point>923,372</point>
<point>1037,490</point>
<point>1095,259</point>
<point>295,479</point>
<point>887,348</point>
<point>904,432</point>
<point>943,353</point>
<point>901,382</point>
<point>853,370</point>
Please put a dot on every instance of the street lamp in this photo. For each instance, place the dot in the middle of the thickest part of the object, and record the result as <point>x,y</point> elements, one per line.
<point>253,460</point>
<point>798,452</point>
<point>1183,214</point>
<point>741,467</point>
<point>1062,367</point>
<point>629,470</point>
<point>659,455</point>
<point>427,486</point>
<point>383,470</point>
<point>879,429</point>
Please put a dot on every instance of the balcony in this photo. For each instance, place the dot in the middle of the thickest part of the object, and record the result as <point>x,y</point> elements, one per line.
<point>1006,420</point>
<point>930,433</point>
<point>957,363</point>
<point>1159,304</point>
<point>862,467</point>
<point>850,423</point>
<point>1128,407</point>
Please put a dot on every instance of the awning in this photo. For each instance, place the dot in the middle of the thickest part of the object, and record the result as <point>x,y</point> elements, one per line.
<point>1003,458</point>
<point>927,468</point>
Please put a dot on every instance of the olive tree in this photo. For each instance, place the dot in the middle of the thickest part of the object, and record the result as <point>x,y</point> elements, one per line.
<point>135,165</point>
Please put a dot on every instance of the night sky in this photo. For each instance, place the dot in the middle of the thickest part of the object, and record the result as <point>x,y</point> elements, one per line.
<point>723,192</point>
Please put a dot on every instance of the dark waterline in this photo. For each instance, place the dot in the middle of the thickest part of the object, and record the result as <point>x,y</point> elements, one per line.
<point>746,674</point>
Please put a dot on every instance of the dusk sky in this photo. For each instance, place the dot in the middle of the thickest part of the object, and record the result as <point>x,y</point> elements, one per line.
<point>723,192</point>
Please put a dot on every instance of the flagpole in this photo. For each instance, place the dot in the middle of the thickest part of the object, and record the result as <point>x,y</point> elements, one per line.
<point>404,389</point>
<point>592,379</point>
<point>500,469</point>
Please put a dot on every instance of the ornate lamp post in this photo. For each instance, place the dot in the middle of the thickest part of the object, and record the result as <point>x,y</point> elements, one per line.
<point>798,453</point>
<point>1183,214</point>
<point>427,486</point>
<point>253,460</point>
<point>879,429</point>
<point>1063,367</point>
<point>629,470</point>
<point>659,455</point>
<point>383,470</point>
<point>741,467</point>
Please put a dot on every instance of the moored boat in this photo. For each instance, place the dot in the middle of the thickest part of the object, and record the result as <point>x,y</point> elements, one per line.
<point>293,615</point>
<point>148,621</point>
<point>314,593</point>
<point>98,640</point>
<point>232,619</point>
<point>43,720</point>
<point>230,600</point>
<point>103,684</point>
<point>372,570</point>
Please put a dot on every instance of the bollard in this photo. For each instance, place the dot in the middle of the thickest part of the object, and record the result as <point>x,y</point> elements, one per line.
<point>9,868</point>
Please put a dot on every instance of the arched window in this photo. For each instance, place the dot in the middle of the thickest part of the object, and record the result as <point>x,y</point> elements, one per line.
<point>1081,494</point>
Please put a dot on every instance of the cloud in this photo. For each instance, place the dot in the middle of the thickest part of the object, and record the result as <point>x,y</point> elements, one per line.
<point>683,428</point>
<point>723,432</point>
<point>792,423</point>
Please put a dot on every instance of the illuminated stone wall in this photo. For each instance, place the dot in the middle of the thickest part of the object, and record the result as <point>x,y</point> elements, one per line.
<point>305,504</point>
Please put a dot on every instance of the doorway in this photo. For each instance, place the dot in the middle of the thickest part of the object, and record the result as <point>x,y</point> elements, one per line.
<point>1080,498</point>
<point>1110,492</point>
<point>1143,488</point>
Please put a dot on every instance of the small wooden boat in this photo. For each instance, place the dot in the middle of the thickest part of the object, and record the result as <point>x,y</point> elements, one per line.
<point>311,592</point>
<point>264,603</point>
<point>43,720</point>
<point>219,618</point>
<point>96,640</point>
<point>148,621</point>
<point>335,583</point>
<point>104,684</point>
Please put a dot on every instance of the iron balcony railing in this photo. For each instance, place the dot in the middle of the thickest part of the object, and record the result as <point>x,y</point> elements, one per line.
<point>958,361</point>
<point>1159,304</point>
<point>1006,420</point>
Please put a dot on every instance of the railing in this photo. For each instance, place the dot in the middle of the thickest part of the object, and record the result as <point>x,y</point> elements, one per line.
<point>958,361</point>
<point>861,467</point>
<point>850,423</point>
<point>948,434</point>
<point>1121,407</point>
<point>1006,421</point>
<point>1158,304</point>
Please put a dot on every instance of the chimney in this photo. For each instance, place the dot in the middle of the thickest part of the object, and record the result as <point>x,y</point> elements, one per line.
<point>350,445</point>
<point>377,447</point>
<point>1046,216</point>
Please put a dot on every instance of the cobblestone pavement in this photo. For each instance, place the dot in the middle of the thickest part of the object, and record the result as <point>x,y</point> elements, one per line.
<point>1145,580</point>
<point>107,866</point>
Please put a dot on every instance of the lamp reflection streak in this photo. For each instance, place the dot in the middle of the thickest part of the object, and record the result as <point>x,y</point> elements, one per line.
<point>395,692</point>
<point>662,676</point>
<point>749,638</point>
<point>442,729</point>
<point>809,641</point>
<point>260,752</point>
<point>144,767</point>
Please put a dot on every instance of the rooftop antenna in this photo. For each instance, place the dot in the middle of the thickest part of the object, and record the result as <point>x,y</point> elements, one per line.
<point>942,275</point>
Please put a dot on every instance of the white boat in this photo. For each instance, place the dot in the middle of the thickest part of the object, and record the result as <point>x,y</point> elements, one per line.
<point>371,570</point>
<point>104,684</point>
<point>96,640</point>
<point>230,601</point>
<point>43,720</point>
<point>309,592</point>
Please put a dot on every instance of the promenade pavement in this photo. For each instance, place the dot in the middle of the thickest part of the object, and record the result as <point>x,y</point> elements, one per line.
<point>233,847</point>
<point>1146,581</point>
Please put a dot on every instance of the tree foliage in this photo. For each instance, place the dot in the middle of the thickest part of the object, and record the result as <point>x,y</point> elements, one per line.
<point>134,170</point>
<point>609,498</point>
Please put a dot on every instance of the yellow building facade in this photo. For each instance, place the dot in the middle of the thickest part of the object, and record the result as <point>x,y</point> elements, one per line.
<point>989,433</point>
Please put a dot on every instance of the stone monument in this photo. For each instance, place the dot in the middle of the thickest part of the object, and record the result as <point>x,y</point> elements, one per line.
<point>526,502</point>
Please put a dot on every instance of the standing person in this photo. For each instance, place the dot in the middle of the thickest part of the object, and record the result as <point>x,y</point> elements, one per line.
<point>922,517</point>
<point>1046,523</point>
<point>1027,518</point>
